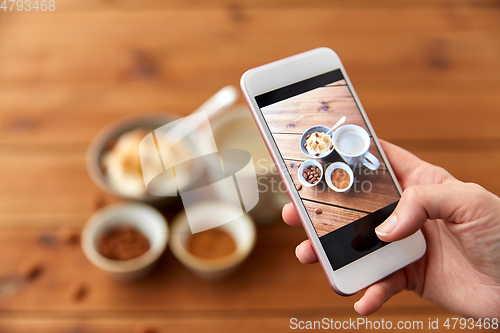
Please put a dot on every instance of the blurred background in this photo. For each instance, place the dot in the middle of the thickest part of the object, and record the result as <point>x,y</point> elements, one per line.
<point>427,73</point>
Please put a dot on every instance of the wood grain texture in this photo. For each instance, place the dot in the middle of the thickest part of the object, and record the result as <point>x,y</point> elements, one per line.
<point>272,266</point>
<point>427,73</point>
<point>370,191</point>
<point>27,204</point>
<point>337,83</point>
<point>298,124</point>
<point>459,46</point>
<point>402,65</point>
<point>330,218</point>
<point>289,146</point>
<point>147,5</point>
<point>325,101</point>
<point>223,322</point>
<point>321,106</point>
<point>50,184</point>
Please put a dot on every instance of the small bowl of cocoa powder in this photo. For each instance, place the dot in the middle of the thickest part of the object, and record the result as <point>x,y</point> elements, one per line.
<point>339,177</point>
<point>215,253</point>
<point>125,239</point>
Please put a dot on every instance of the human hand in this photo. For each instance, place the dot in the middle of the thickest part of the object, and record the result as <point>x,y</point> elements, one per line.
<point>461,223</point>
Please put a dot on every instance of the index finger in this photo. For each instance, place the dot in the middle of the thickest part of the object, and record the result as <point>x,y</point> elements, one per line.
<point>290,215</point>
<point>411,170</point>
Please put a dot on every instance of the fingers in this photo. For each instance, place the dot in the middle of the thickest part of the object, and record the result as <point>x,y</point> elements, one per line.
<point>290,215</point>
<point>411,170</point>
<point>403,162</point>
<point>455,202</point>
<point>305,253</point>
<point>379,293</point>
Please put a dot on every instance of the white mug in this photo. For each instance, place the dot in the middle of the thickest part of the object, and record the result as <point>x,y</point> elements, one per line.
<point>352,143</point>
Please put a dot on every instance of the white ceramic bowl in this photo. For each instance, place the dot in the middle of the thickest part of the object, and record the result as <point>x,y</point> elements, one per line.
<point>311,130</point>
<point>140,216</point>
<point>102,142</point>
<point>235,128</point>
<point>304,165</point>
<point>328,174</point>
<point>242,230</point>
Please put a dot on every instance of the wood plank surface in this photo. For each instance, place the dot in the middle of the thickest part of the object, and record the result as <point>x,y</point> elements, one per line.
<point>337,83</point>
<point>322,106</point>
<point>330,218</point>
<point>172,288</point>
<point>298,124</point>
<point>369,192</point>
<point>333,100</point>
<point>81,197</point>
<point>147,5</point>
<point>50,184</point>
<point>467,165</point>
<point>395,113</point>
<point>289,146</point>
<point>427,73</point>
<point>433,54</point>
<point>223,323</point>
<point>441,68</point>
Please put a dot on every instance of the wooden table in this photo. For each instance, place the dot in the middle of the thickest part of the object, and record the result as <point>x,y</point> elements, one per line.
<point>428,74</point>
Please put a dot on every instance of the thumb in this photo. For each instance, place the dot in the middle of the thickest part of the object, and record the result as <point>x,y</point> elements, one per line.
<point>454,202</point>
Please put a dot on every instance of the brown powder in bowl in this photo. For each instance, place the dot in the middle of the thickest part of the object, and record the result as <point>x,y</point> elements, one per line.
<point>340,178</point>
<point>211,244</point>
<point>123,243</point>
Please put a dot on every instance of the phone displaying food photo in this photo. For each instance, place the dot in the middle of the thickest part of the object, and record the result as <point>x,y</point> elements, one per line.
<point>331,161</point>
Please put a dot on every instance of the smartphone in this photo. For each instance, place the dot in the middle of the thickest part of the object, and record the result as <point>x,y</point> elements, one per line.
<point>339,180</point>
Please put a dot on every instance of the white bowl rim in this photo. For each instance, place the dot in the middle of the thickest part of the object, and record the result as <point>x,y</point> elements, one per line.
<point>179,223</point>
<point>346,127</point>
<point>125,266</point>
<point>235,113</point>
<point>338,165</point>
<point>112,130</point>
<point>302,147</point>
<point>302,167</point>
<point>100,140</point>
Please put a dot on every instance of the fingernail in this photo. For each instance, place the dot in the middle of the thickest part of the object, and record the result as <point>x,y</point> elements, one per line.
<point>385,228</point>
<point>296,249</point>
<point>355,307</point>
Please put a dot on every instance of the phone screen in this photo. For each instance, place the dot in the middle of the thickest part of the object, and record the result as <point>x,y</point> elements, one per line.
<point>340,176</point>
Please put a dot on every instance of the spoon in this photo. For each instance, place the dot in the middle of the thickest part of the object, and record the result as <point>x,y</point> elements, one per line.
<point>221,100</point>
<point>340,122</point>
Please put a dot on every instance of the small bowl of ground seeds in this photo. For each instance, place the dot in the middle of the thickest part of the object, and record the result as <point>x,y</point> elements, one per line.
<point>216,253</point>
<point>125,240</point>
<point>339,177</point>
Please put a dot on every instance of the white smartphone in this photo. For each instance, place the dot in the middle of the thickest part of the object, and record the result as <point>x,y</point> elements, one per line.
<point>339,180</point>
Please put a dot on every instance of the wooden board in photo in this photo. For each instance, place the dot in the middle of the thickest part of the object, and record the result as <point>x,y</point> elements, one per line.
<point>330,218</point>
<point>370,191</point>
